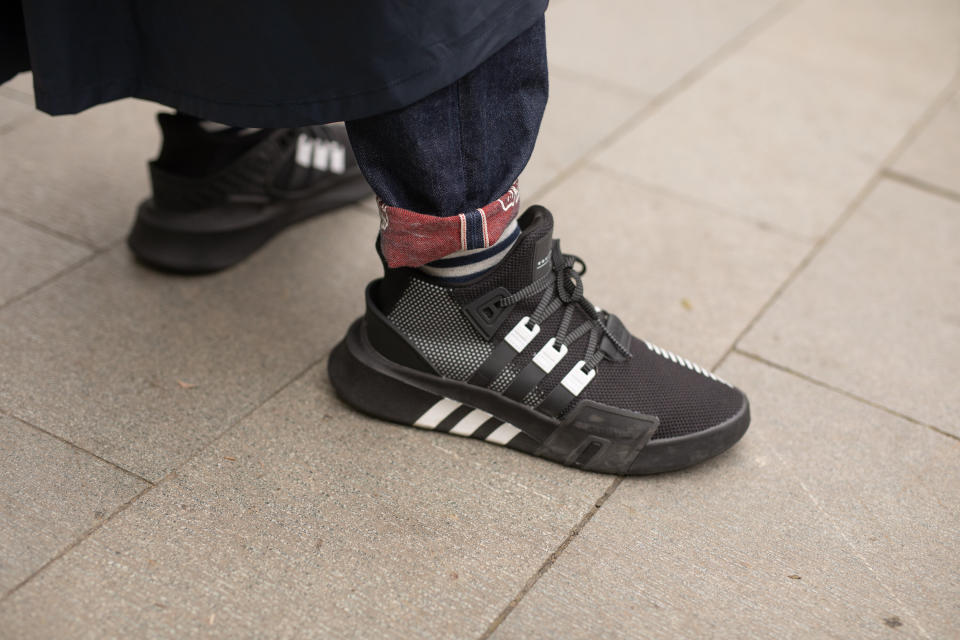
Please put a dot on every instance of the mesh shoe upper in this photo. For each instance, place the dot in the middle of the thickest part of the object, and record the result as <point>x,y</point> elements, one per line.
<point>647,379</point>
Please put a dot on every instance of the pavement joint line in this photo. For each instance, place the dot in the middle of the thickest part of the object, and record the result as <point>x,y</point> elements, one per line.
<point>843,392</point>
<point>552,558</point>
<point>868,187</point>
<point>698,203</point>
<point>172,474</point>
<point>113,464</point>
<point>49,230</point>
<point>216,438</point>
<point>801,266</point>
<point>699,70</point>
<point>908,138</point>
<point>922,185</point>
<point>18,96</point>
<point>77,541</point>
<point>702,68</point>
<point>625,91</point>
<point>60,274</point>
<point>18,120</point>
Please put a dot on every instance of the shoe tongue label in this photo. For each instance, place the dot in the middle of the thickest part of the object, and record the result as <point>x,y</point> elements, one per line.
<point>541,257</point>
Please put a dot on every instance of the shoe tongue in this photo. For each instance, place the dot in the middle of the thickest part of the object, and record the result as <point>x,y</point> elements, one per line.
<point>530,258</point>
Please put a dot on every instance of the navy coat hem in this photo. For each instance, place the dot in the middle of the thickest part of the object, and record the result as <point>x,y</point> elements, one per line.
<point>446,62</point>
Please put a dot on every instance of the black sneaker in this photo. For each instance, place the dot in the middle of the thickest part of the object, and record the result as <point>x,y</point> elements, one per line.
<point>520,358</point>
<point>219,196</point>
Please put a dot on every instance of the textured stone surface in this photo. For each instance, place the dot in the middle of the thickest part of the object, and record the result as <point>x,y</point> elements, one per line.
<point>300,518</point>
<point>858,505</point>
<point>98,357</point>
<point>934,156</point>
<point>309,520</point>
<point>646,46</point>
<point>50,493</point>
<point>877,312</point>
<point>788,129</point>
<point>12,111</point>
<point>580,113</point>
<point>82,175</point>
<point>22,83</point>
<point>678,274</point>
<point>29,256</point>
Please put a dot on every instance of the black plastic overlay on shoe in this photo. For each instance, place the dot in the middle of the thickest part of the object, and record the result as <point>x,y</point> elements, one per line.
<point>619,332</point>
<point>486,314</point>
<point>502,355</point>
<point>556,401</point>
<point>528,378</point>
<point>599,438</point>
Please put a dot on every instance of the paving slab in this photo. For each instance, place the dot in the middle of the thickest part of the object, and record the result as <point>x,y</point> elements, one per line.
<point>850,38</point>
<point>12,113</point>
<point>29,256</point>
<point>50,494</point>
<point>646,46</point>
<point>144,369</point>
<point>830,519</point>
<point>679,274</point>
<point>787,135</point>
<point>81,175</point>
<point>22,83</point>
<point>309,520</point>
<point>934,157</point>
<point>580,113</point>
<point>876,312</point>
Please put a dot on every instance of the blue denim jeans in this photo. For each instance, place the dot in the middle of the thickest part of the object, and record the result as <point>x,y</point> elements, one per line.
<point>462,146</point>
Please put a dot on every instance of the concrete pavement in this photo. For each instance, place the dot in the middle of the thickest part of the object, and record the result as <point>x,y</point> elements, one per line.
<point>776,184</point>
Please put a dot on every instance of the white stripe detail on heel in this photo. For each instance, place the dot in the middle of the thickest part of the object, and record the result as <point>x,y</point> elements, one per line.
<point>436,413</point>
<point>470,423</point>
<point>503,434</point>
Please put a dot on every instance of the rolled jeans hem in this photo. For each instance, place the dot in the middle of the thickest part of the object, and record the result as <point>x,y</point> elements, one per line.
<point>412,239</point>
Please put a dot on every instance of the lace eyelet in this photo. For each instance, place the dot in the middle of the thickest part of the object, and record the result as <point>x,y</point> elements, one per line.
<point>578,379</point>
<point>522,334</point>
<point>549,355</point>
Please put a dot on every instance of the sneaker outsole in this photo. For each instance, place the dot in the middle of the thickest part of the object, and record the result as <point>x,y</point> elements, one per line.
<point>210,240</point>
<point>374,385</point>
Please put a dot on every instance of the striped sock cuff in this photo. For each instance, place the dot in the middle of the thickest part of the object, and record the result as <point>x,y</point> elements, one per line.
<point>470,263</point>
<point>411,239</point>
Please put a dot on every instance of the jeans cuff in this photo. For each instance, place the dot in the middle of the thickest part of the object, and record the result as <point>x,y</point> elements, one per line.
<point>411,239</point>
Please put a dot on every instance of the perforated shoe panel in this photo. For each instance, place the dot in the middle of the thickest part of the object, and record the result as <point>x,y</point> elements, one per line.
<point>430,319</point>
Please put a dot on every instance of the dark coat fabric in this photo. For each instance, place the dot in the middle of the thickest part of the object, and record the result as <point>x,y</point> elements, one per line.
<point>253,63</point>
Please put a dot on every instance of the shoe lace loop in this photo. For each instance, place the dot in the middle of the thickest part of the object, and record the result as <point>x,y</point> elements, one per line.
<point>562,287</point>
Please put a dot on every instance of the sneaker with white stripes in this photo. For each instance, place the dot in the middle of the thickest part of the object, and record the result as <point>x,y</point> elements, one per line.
<point>520,358</point>
<point>219,195</point>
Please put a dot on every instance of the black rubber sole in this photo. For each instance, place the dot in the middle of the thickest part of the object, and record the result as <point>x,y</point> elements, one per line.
<point>374,385</point>
<point>213,239</point>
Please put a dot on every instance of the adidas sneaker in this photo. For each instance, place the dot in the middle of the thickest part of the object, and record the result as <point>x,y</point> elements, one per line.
<point>518,357</point>
<point>218,196</point>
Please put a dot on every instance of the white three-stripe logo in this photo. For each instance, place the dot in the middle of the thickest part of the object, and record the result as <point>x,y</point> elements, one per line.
<point>468,424</point>
<point>325,155</point>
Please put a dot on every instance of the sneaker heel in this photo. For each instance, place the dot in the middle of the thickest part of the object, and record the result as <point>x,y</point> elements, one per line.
<point>374,393</point>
